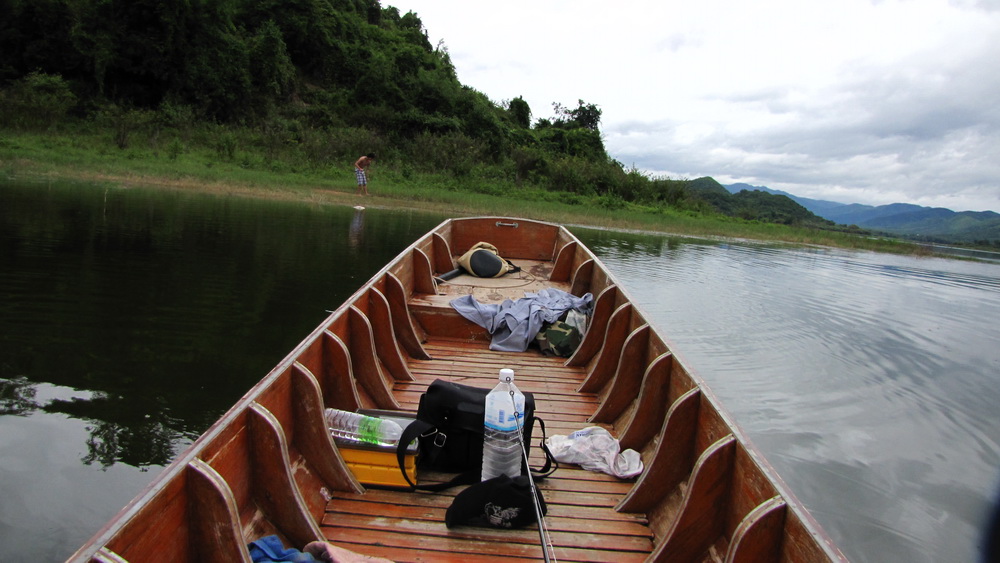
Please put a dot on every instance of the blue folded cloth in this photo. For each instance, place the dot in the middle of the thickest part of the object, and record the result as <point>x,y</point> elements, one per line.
<point>270,548</point>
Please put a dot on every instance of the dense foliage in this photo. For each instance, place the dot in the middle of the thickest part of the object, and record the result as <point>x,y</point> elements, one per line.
<point>313,83</point>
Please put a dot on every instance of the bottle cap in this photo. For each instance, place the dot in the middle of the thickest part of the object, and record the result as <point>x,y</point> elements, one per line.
<point>507,375</point>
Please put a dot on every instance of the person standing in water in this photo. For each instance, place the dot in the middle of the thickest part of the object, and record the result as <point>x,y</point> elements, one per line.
<point>361,171</point>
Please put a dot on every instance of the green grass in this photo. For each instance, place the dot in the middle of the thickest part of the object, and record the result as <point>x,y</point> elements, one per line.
<point>225,163</point>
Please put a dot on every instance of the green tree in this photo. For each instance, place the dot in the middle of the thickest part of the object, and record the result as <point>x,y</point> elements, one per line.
<point>35,36</point>
<point>587,116</point>
<point>578,142</point>
<point>271,67</point>
<point>519,112</point>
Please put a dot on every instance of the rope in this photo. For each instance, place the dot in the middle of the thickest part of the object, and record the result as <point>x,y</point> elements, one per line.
<point>526,277</point>
<point>543,532</point>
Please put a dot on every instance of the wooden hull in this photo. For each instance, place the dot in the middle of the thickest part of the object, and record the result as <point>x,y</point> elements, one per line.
<point>268,466</point>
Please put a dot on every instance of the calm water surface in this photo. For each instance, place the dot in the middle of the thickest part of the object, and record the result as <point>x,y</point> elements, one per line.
<point>869,381</point>
<point>130,320</point>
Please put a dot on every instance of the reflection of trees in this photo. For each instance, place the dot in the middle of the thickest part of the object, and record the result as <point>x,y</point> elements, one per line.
<point>122,431</point>
<point>626,244</point>
<point>138,445</point>
<point>618,243</point>
<point>118,432</point>
<point>179,303</point>
<point>17,397</point>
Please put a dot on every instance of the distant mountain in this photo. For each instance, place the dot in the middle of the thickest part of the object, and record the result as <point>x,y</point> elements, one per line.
<point>754,205</point>
<point>817,206</point>
<point>903,219</point>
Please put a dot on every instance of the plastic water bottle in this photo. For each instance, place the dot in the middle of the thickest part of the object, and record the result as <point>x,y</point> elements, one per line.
<point>502,425</point>
<point>363,428</point>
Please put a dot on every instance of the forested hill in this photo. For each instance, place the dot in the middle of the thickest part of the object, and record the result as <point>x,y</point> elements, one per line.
<point>333,62</point>
<point>319,81</point>
<point>308,85</point>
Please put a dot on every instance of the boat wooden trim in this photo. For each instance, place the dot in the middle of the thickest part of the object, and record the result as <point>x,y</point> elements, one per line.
<point>649,414</point>
<point>269,465</point>
<point>402,323</point>
<point>604,305</point>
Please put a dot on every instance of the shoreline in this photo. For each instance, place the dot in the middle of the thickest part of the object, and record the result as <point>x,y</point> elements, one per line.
<point>330,196</point>
<point>434,194</point>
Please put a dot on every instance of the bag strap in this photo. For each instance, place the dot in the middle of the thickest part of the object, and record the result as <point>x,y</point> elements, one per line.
<point>551,464</point>
<point>413,430</point>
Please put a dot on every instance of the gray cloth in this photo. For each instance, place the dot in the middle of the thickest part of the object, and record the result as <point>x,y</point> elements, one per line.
<point>514,324</point>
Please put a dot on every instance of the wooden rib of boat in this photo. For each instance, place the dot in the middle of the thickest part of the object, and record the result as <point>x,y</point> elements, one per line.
<point>269,466</point>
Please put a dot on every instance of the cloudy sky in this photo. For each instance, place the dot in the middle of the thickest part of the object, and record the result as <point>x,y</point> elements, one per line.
<point>857,101</point>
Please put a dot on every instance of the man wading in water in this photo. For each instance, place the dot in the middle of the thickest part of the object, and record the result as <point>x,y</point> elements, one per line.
<point>361,171</point>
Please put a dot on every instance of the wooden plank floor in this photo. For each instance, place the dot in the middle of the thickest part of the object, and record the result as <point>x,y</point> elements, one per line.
<point>581,520</point>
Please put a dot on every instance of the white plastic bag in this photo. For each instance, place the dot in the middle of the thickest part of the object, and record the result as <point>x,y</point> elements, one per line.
<point>595,449</point>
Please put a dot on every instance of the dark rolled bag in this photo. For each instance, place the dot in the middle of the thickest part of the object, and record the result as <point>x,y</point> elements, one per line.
<point>449,425</point>
<point>483,260</point>
<point>500,502</point>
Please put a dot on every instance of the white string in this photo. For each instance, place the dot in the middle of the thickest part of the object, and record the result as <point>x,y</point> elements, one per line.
<point>526,278</point>
<point>543,532</point>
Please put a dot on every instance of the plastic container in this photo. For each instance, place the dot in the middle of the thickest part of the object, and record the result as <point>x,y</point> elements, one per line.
<point>502,423</point>
<point>376,464</point>
<point>362,428</point>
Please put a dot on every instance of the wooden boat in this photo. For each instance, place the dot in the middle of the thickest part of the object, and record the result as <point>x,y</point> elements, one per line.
<point>269,466</point>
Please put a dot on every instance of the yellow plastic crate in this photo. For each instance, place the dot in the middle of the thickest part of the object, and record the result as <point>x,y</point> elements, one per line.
<point>377,465</point>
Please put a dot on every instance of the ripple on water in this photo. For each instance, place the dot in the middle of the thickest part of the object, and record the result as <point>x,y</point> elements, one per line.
<point>869,381</point>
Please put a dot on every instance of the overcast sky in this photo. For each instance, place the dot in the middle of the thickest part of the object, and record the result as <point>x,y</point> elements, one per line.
<point>856,101</point>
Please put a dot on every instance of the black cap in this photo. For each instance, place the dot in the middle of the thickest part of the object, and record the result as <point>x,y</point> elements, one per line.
<point>500,502</point>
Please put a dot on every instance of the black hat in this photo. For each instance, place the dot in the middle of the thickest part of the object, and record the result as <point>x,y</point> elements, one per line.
<point>500,502</point>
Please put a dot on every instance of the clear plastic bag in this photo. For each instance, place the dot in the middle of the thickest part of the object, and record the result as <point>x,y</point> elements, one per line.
<point>595,449</point>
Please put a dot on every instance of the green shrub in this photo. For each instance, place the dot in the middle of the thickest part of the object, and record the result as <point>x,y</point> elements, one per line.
<point>565,175</point>
<point>175,148</point>
<point>124,122</point>
<point>179,117</point>
<point>610,201</point>
<point>37,100</point>
<point>226,145</point>
<point>452,152</point>
<point>345,144</point>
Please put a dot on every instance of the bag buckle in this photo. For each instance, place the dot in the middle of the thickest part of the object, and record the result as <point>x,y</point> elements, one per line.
<point>440,439</point>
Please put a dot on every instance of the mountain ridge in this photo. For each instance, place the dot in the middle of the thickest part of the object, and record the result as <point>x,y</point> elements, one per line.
<point>936,224</point>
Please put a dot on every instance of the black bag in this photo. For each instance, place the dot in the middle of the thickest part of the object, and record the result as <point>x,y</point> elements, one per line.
<point>500,502</point>
<point>449,425</point>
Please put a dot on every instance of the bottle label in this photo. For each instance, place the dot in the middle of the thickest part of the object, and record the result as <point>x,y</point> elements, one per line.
<point>504,419</point>
<point>368,429</point>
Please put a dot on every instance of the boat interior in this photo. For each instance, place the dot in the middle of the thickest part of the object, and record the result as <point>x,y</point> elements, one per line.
<point>269,465</point>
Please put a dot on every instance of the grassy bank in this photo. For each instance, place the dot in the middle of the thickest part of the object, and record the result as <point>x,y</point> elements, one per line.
<point>214,167</point>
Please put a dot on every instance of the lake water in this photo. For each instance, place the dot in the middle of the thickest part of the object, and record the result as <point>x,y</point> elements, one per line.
<point>131,319</point>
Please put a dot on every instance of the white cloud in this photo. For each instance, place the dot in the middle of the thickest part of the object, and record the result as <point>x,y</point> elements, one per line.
<point>856,101</point>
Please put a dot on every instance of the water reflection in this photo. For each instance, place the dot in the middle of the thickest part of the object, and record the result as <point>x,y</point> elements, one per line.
<point>141,443</point>
<point>355,237</point>
<point>17,397</point>
<point>130,320</point>
<point>140,437</point>
<point>165,306</point>
<point>869,381</point>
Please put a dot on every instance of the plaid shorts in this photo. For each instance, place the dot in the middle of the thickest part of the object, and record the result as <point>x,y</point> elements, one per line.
<point>362,179</point>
